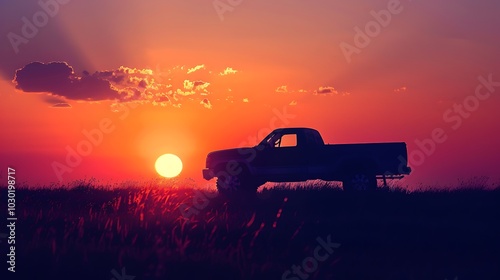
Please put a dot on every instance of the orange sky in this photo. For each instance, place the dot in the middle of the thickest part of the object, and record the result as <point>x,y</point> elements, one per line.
<point>285,56</point>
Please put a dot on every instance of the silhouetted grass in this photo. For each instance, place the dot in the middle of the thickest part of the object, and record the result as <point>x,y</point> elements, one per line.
<point>88,230</point>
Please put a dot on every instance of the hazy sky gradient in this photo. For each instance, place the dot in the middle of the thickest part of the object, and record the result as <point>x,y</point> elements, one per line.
<point>398,88</point>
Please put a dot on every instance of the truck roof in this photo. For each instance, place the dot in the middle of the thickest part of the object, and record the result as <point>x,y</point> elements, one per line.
<point>294,129</point>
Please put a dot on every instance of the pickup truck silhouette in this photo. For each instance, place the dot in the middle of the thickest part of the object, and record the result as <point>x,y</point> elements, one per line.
<point>299,154</point>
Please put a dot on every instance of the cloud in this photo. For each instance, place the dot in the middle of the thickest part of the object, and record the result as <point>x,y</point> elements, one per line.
<point>124,84</point>
<point>192,87</point>
<point>185,93</point>
<point>228,71</point>
<point>330,91</point>
<point>188,85</point>
<point>326,90</point>
<point>282,89</point>
<point>196,68</point>
<point>198,85</point>
<point>201,85</point>
<point>163,99</point>
<point>126,78</point>
<point>206,103</point>
<point>163,96</point>
<point>61,105</point>
<point>56,102</point>
<point>59,79</point>
<point>401,90</point>
<point>53,99</point>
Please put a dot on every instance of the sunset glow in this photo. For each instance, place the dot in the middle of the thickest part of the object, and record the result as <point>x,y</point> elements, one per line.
<point>190,77</point>
<point>250,139</point>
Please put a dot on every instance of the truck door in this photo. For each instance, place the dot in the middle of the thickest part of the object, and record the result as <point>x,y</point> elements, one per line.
<point>283,156</point>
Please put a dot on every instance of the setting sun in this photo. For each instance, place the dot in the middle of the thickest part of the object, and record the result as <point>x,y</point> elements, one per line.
<point>168,165</point>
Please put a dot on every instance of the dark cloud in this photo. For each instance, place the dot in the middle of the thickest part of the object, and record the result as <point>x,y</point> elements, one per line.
<point>206,103</point>
<point>39,77</point>
<point>162,98</point>
<point>131,94</point>
<point>53,99</point>
<point>61,85</point>
<point>143,84</point>
<point>123,84</point>
<point>61,105</point>
<point>116,77</point>
<point>59,79</point>
<point>330,91</point>
<point>326,90</point>
<point>199,83</point>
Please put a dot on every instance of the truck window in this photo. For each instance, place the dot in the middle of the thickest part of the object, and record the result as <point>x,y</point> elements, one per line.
<point>286,140</point>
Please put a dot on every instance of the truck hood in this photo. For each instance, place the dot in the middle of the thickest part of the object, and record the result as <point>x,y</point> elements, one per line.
<point>216,157</point>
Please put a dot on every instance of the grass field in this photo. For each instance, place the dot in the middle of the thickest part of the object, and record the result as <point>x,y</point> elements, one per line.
<point>311,232</point>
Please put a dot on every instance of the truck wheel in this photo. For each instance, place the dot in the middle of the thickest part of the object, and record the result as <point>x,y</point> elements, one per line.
<point>228,184</point>
<point>237,184</point>
<point>360,181</point>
